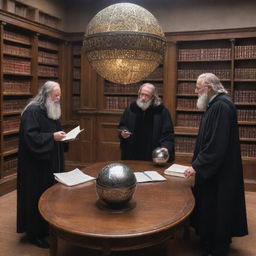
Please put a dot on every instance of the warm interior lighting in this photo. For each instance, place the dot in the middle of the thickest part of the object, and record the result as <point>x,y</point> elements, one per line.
<point>124,43</point>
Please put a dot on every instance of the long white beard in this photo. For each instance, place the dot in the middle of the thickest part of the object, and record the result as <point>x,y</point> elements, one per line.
<point>53,109</point>
<point>143,105</point>
<point>202,101</point>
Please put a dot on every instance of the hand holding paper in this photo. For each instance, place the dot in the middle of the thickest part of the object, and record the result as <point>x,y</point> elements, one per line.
<point>72,134</point>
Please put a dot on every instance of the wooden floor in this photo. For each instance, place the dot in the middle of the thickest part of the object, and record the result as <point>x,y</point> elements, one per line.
<point>13,244</point>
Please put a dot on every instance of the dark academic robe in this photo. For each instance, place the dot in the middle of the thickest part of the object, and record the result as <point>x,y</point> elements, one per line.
<point>38,158</point>
<point>150,129</point>
<point>219,189</point>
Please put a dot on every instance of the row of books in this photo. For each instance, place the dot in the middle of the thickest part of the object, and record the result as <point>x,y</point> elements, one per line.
<point>158,73</point>
<point>48,45</point>
<point>76,73</point>
<point>247,132</point>
<point>187,103</point>
<point>248,150</point>
<point>10,142</point>
<point>113,102</point>
<point>14,36</point>
<point>247,96</point>
<point>194,73</point>
<point>16,66</point>
<point>17,50</point>
<point>77,49</point>
<point>76,87</point>
<point>10,164</point>
<point>188,120</point>
<point>186,88</point>
<point>248,115</point>
<point>245,51</point>
<point>11,105</point>
<point>11,123</point>
<point>245,73</point>
<point>48,58</point>
<point>184,144</point>
<point>16,86</point>
<point>128,88</point>
<point>47,71</point>
<point>75,102</point>
<point>204,54</point>
<point>77,62</point>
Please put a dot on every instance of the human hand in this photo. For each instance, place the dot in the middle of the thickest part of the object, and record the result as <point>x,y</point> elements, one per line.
<point>125,134</point>
<point>58,136</point>
<point>189,172</point>
<point>164,149</point>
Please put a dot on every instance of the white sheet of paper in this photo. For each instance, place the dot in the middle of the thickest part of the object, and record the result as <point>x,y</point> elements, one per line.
<point>73,177</point>
<point>155,176</point>
<point>141,177</point>
<point>72,134</point>
<point>176,170</point>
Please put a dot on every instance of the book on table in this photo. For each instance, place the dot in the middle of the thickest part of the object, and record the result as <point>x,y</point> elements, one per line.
<point>149,176</point>
<point>73,177</point>
<point>176,170</point>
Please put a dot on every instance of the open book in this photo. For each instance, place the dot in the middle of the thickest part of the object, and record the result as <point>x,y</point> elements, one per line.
<point>176,170</point>
<point>72,178</point>
<point>148,176</point>
<point>72,134</point>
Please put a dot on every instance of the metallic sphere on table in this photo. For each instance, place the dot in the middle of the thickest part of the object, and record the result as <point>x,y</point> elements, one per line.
<point>124,43</point>
<point>115,184</point>
<point>159,156</point>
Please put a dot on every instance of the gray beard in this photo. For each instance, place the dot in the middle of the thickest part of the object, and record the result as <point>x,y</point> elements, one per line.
<point>53,109</point>
<point>143,105</point>
<point>202,101</point>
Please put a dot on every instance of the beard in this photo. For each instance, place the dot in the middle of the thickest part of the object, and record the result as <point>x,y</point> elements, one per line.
<point>202,101</point>
<point>53,109</point>
<point>143,105</point>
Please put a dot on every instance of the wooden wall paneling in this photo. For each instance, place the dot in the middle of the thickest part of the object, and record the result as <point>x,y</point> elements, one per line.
<point>170,71</point>
<point>88,88</point>
<point>1,99</point>
<point>107,138</point>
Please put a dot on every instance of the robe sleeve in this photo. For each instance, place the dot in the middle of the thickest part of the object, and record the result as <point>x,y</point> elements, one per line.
<point>215,140</point>
<point>39,143</point>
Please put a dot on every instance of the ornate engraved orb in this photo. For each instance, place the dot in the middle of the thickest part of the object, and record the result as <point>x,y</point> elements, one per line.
<point>115,185</point>
<point>124,43</point>
<point>160,157</point>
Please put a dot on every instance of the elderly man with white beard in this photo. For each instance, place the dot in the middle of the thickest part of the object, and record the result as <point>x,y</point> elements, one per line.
<point>40,155</point>
<point>220,211</point>
<point>145,125</point>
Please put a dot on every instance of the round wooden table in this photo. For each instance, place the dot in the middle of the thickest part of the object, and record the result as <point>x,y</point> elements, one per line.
<point>73,213</point>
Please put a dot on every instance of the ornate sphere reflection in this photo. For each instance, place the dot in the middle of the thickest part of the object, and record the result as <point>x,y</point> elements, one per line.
<point>160,157</point>
<point>115,184</point>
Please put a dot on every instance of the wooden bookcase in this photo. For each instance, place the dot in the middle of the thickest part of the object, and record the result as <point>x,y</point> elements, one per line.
<point>30,55</point>
<point>231,55</point>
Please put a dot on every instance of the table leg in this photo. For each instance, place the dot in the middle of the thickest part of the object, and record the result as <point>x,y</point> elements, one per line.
<point>53,242</point>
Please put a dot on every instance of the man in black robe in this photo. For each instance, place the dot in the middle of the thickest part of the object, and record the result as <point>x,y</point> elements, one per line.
<point>220,211</point>
<point>40,155</point>
<point>145,125</point>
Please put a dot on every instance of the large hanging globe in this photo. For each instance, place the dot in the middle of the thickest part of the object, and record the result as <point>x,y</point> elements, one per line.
<point>124,43</point>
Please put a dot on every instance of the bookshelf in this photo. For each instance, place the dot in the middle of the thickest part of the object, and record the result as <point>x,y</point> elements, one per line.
<point>76,48</point>
<point>117,97</point>
<point>28,59</point>
<point>231,55</point>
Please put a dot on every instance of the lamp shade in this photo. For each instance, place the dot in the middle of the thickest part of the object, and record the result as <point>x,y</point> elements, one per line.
<point>124,43</point>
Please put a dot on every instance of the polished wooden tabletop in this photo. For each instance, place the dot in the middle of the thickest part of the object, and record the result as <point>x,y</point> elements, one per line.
<point>159,206</point>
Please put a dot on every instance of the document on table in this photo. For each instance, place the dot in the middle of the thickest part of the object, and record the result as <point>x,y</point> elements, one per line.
<point>176,170</point>
<point>149,176</point>
<point>72,178</point>
<point>72,134</point>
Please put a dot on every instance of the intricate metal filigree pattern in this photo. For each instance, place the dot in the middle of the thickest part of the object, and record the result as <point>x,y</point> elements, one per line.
<point>124,43</point>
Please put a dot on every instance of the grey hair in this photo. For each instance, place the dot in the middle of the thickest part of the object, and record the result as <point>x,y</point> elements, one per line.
<point>41,97</point>
<point>209,79</point>
<point>156,99</point>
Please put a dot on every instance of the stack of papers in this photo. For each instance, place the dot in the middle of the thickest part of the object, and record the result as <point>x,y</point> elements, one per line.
<point>176,170</point>
<point>72,178</point>
<point>72,134</point>
<point>149,176</point>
